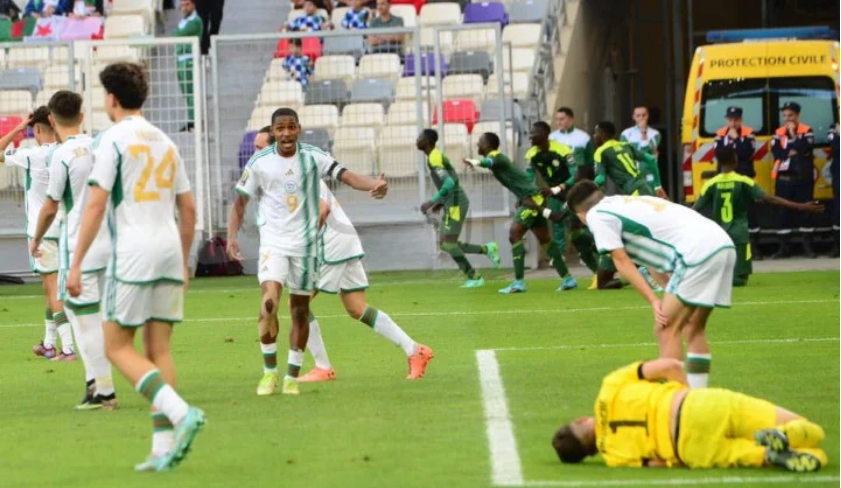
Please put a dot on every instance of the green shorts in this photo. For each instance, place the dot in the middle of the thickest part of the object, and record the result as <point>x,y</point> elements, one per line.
<point>606,263</point>
<point>453,219</point>
<point>744,260</point>
<point>643,190</point>
<point>529,218</point>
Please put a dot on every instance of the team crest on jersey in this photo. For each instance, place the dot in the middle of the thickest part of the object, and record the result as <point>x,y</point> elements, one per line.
<point>556,162</point>
<point>291,187</point>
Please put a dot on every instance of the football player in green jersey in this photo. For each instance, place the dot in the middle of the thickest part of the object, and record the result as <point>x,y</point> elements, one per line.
<point>617,161</point>
<point>453,200</point>
<point>525,219</point>
<point>727,197</point>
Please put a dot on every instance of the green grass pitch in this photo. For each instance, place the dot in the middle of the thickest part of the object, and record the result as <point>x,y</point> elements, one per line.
<point>373,428</point>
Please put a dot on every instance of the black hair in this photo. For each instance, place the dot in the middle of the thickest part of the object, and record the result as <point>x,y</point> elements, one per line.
<point>608,128</point>
<point>430,135</point>
<point>726,155</point>
<point>285,112</point>
<point>127,82</point>
<point>568,447</point>
<point>566,110</point>
<point>267,130</point>
<point>295,42</point>
<point>65,106</point>
<point>41,115</point>
<point>585,172</point>
<point>492,139</point>
<point>580,193</point>
<point>543,126</point>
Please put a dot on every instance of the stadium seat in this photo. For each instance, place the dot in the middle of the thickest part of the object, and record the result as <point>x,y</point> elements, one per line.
<point>320,117</point>
<point>405,12</point>
<point>276,71</point>
<point>319,138</point>
<point>299,12</point>
<point>456,144</point>
<point>427,64</point>
<point>519,87</point>
<point>327,91</point>
<point>490,111</point>
<point>380,66</point>
<point>100,121</point>
<point>7,124</point>
<point>396,151</point>
<point>28,57</point>
<point>485,13</point>
<point>145,8</point>
<point>21,79</point>
<point>471,62</point>
<point>528,11</point>
<point>246,148</point>
<point>96,69</point>
<point>340,67</point>
<point>337,15</point>
<point>355,147</point>
<point>125,26</point>
<point>310,47</point>
<point>417,5</point>
<point>288,93</point>
<point>522,35</point>
<point>363,115</point>
<point>352,45</point>
<point>43,96</point>
<point>458,111</point>
<point>261,116</point>
<point>15,102</point>
<point>483,127</point>
<point>521,59</point>
<point>476,40</point>
<point>437,14</point>
<point>372,90</point>
<point>406,88</point>
<point>97,101</point>
<point>111,54</point>
<point>470,87</point>
<point>406,113</point>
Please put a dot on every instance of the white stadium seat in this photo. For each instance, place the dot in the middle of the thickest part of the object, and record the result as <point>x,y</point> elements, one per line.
<point>407,13</point>
<point>380,66</point>
<point>397,152</point>
<point>456,143</point>
<point>406,113</point>
<point>112,54</point>
<point>522,35</point>
<point>464,87</point>
<point>519,87</point>
<point>363,115</point>
<point>57,77</point>
<point>320,117</point>
<point>28,57</point>
<point>15,102</point>
<point>339,67</point>
<point>145,8</point>
<point>125,26</point>
<point>287,93</point>
<point>337,16</point>
<point>476,40</point>
<point>521,59</point>
<point>261,116</point>
<point>355,148</point>
<point>405,89</point>
<point>445,13</point>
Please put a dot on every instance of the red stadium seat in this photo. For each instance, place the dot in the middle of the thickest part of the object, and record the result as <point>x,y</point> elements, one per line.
<point>7,124</point>
<point>417,3</point>
<point>310,46</point>
<point>460,112</point>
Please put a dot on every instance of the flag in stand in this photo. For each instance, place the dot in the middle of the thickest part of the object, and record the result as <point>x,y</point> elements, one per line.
<point>47,29</point>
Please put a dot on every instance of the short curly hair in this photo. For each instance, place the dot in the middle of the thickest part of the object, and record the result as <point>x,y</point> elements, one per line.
<point>127,82</point>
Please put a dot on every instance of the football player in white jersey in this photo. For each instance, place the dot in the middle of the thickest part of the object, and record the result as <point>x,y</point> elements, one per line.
<point>285,178</point>
<point>34,162</point>
<point>140,180</point>
<point>341,272</point>
<point>70,165</point>
<point>666,238</point>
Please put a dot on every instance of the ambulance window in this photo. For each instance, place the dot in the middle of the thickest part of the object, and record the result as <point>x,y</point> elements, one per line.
<point>717,95</point>
<point>816,96</point>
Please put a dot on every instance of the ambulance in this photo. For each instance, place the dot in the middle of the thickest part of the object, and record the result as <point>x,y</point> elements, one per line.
<point>759,71</point>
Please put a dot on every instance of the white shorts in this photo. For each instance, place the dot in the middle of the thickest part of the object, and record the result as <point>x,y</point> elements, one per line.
<point>48,262</point>
<point>133,305</point>
<point>92,287</point>
<point>297,275</point>
<point>344,277</point>
<point>708,284</point>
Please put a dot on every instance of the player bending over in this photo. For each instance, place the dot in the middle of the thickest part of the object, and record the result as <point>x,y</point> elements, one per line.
<point>70,165</point>
<point>285,178</point>
<point>453,200</point>
<point>668,238</point>
<point>341,273</point>
<point>140,180</point>
<point>645,416</point>
<point>34,162</point>
<point>727,196</point>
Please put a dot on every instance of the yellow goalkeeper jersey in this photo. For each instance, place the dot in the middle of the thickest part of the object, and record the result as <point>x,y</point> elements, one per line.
<point>632,418</point>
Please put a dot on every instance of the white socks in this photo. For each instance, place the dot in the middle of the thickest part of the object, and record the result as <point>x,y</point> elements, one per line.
<point>64,332</point>
<point>698,369</point>
<point>49,330</point>
<point>162,396</point>
<point>91,343</point>
<point>386,327</point>
<point>315,344</point>
<point>162,441</point>
<point>295,359</point>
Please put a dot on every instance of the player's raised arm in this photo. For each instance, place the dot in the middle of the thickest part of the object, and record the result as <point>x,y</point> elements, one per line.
<point>8,138</point>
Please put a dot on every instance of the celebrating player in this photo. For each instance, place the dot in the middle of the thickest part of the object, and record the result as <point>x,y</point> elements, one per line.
<point>645,416</point>
<point>453,200</point>
<point>518,182</point>
<point>70,165</point>
<point>341,273</point>
<point>285,177</point>
<point>617,161</point>
<point>668,238</point>
<point>140,179</point>
<point>34,161</point>
<point>729,195</point>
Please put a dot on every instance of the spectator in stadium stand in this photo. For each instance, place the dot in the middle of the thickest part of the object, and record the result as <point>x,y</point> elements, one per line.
<point>389,43</point>
<point>740,137</point>
<point>86,8</point>
<point>190,26</point>
<point>641,136</point>
<point>357,16</point>
<point>834,139</point>
<point>311,21</point>
<point>10,10</point>
<point>325,4</point>
<point>298,66</point>
<point>210,12</point>
<point>792,146</point>
<point>43,8</point>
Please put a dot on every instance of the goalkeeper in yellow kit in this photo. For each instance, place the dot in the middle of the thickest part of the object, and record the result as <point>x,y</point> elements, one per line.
<point>647,416</point>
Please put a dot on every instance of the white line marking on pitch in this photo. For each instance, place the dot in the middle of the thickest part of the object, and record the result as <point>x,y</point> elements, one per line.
<point>724,480</point>
<point>464,312</point>
<point>788,340</point>
<point>506,469</point>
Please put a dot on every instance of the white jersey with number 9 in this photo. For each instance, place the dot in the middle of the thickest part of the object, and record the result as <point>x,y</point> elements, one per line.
<point>141,168</point>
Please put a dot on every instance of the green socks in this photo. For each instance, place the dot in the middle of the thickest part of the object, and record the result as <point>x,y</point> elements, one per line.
<point>369,317</point>
<point>586,249</point>
<point>454,250</point>
<point>518,251</point>
<point>554,252</point>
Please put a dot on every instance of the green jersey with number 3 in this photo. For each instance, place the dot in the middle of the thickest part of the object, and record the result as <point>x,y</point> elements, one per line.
<point>618,161</point>
<point>729,195</point>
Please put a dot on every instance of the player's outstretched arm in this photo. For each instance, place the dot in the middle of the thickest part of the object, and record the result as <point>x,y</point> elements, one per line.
<point>234,222</point>
<point>186,226</point>
<point>8,138</point>
<point>377,187</point>
<point>809,207</point>
<point>91,221</point>
<point>664,369</point>
<point>629,271</point>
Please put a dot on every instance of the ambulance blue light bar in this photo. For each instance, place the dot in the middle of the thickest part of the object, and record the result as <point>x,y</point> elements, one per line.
<point>741,35</point>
